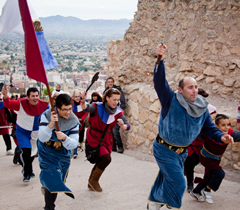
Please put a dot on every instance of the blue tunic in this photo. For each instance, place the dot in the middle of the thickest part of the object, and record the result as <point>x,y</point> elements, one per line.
<point>176,127</point>
<point>54,164</point>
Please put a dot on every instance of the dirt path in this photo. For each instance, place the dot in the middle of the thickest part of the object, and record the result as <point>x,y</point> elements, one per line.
<point>126,184</point>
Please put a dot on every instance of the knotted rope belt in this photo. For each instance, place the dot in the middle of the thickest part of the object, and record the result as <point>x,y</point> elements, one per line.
<point>178,149</point>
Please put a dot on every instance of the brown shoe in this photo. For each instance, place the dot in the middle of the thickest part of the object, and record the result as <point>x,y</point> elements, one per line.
<point>93,182</point>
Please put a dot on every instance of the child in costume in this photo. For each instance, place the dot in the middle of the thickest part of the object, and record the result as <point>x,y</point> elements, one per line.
<point>210,157</point>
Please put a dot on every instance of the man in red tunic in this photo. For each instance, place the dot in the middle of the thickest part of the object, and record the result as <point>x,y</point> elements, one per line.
<point>29,111</point>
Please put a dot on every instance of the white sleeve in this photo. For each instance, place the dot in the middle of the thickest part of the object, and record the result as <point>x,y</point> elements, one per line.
<point>71,141</point>
<point>44,133</point>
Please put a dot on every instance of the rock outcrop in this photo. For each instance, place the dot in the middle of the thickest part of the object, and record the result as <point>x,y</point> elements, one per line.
<point>203,41</point>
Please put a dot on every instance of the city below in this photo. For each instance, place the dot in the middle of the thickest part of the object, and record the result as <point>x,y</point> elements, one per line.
<point>79,55</point>
<point>78,60</point>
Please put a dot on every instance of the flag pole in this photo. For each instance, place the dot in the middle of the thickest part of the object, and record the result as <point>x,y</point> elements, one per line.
<point>38,27</point>
<point>51,103</point>
<point>34,59</point>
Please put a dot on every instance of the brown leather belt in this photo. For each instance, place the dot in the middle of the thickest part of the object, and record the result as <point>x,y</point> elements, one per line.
<point>99,131</point>
<point>178,149</point>
<point>54,144</point>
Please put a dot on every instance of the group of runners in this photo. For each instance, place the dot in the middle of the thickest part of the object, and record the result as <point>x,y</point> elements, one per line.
<point>186,132</point>
<point>37,134</point>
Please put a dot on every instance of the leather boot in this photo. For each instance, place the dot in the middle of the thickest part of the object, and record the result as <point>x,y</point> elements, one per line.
<point>94,180</point>
<point>89,187</point>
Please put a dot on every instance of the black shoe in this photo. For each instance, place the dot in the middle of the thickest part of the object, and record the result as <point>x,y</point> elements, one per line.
<point>190,187</point>
<point>114,149</point>
<point>32,175</point>
<point>120,150</point>
<point>26,178</point>
<point>15,159</point>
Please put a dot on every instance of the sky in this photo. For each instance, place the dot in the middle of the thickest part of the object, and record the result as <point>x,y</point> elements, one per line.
<point>84,9</point>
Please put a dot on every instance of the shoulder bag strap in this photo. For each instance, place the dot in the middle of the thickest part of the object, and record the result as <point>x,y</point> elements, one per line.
<point>104,132</point>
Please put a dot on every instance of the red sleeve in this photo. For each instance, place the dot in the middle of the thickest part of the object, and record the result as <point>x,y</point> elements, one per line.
<point>12,105</point>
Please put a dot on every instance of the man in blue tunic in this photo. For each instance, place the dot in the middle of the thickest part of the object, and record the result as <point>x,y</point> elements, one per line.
<point>54,148</point>
<point>183,115</point>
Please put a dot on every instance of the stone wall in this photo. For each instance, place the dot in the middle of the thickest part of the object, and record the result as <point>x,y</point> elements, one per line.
<point>203,41</point>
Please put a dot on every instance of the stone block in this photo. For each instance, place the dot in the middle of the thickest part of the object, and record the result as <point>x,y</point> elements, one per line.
<point>235,50</point>
<point>134,96</point>
<point>236,167</point>
<point>225,90</point>
<point>229,82</point>
<point>151,136</point>
<point>200,77</point>
<point>228,155</point>
<point>235,157</point>
<point>224,162</point>
<point>237,84</point>
<point>220,79</point>
<point>149,125</point>
<point>211,71</point>
<point>134,109</point>
<point>143,116</point>
<point>185,66</point>
<point>197,69</point>
<point>225,51</point>
<point>155,107</point>
<point>193,46</point>
<point>211,33</point>
<point>236,61</point>
<point>153,97</point>
<point>153,117</point>
<point>144,41</point>
<point>155,129</point>
<point>236,147</point>
<point>144,101</point>
<point>145,133</point>
<point>210,80</point>
<point>140,140</point>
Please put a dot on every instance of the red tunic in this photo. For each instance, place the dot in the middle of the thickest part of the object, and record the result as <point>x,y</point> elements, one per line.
<point>209,163</point>
<point>80,114</point>
<point>93,136</point>
<point>3,120</point>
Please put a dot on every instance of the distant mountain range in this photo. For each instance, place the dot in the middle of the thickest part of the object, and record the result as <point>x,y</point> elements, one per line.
<point>72,26</point>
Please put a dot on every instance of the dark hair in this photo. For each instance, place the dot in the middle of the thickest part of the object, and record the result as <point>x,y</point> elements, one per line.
<point>110,92</point>
<point>110,78</point>
<point>99,98</point>
<point>12,97</point>
<point>63,99</point>
<point>181,83</point>
<point>32,89</point>
<point>23,95</point>
<point>219,117</point>
<point>202,93</point>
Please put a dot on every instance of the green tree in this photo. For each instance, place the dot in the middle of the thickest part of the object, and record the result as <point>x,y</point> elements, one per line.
<point>45,93</point>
